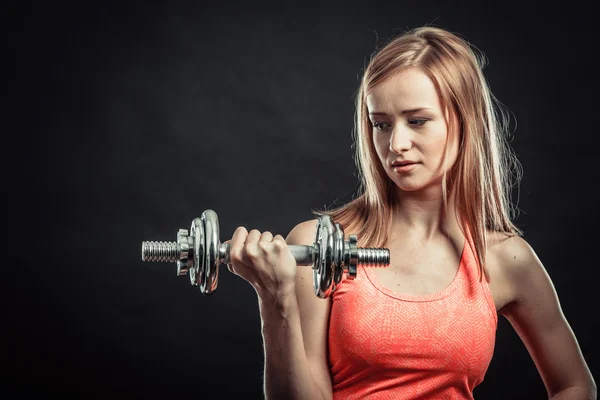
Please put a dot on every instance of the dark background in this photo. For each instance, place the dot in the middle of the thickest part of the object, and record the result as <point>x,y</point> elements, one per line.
<point>131,119</point>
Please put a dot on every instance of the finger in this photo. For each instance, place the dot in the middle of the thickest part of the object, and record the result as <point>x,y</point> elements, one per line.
<point>236,243</point>
<point>253,236</point>
<point>239,237</point>
<point>279,242</point>
<point>266,237</point>
<point>278,237</point>
<point>251,248</point>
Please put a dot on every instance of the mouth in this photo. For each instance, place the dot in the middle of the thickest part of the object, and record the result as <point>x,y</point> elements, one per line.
<point>404,167</point>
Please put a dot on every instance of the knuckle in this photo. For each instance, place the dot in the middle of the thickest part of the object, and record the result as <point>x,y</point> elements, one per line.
<point>252,252</point>
<point>263,246</point>
<point>234,255</point>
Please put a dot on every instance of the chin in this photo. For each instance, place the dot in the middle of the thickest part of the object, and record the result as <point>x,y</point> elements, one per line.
<point>409,186</point>
<point>415,185</point>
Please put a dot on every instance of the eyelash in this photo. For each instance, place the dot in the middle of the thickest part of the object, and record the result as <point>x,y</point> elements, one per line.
<point>377,125</point>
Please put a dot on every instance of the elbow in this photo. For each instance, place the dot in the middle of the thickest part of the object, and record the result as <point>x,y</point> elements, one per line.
<point>590,390</point>
<point>587,391</point>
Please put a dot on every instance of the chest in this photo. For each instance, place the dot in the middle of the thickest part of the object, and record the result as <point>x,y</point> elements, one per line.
<point>390,334</point>
<point>420,270</point>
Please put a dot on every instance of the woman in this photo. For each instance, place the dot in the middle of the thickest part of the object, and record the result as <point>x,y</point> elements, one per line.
<point>436,173</point>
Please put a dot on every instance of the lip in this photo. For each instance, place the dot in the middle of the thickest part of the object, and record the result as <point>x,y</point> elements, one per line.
<point>404,168</point>
<point>402,162</point>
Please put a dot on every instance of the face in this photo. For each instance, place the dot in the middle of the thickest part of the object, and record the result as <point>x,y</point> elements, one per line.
<point>409,125</point>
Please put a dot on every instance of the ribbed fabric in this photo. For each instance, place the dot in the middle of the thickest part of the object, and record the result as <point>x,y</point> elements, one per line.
<point>386,345</point>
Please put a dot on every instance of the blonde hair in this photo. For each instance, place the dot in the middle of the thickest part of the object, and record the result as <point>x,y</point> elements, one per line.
<point>485,170</point>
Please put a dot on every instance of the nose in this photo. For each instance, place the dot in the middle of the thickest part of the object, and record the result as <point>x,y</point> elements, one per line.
<point>400,140</point>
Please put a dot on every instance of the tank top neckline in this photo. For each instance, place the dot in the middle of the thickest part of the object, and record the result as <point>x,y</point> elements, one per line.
<point>370,274</point>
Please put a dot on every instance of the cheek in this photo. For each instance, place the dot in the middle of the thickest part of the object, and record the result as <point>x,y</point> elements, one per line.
<point>453,144</point>
<point>381,145</point>
<point>432,144</point>
<point>440,144</point>
<point>448,146</point>
<point>439,139</point>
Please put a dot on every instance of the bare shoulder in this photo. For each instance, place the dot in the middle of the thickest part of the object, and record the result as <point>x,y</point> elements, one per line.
<point>515,266</point>
<point>513,253</point>
<point>303,233</point>
<point>512,250</point>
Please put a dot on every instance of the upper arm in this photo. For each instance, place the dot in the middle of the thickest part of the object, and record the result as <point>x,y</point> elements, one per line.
<point>537,317</point>
<point>314,311</point>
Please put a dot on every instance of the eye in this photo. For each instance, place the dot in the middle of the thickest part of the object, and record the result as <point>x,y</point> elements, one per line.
<point>421,122</point>
<point>380,126</point>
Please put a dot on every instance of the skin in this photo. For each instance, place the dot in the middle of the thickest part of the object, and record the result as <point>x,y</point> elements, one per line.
<point>423,237</point>
<point>522,290</point>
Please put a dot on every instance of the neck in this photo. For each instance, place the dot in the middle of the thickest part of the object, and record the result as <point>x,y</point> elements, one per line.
<point>422,213</point>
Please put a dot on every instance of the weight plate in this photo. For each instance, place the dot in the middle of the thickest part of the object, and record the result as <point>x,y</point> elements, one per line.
<point>211,243</point>
<point>323,273</point>
<point>338,260</point>
<point>198,269</point>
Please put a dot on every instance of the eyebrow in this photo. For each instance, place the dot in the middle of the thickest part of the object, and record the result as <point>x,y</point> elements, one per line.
<point>403,111</point>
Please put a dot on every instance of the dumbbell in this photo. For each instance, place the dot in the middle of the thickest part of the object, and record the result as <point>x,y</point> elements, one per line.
<point>199,252</point>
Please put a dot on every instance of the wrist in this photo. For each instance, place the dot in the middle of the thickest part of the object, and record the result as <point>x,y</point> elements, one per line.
<point>279,304</point>
<point>270,295</point>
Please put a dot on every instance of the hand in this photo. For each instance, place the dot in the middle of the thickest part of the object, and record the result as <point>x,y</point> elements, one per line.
<point>264,261</point>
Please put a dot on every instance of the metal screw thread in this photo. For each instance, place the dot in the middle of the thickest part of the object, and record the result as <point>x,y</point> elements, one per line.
<point>160,251</point>
<point>373,257</point>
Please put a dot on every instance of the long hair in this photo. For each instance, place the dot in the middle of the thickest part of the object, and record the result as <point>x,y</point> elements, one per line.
<point>486,169</point>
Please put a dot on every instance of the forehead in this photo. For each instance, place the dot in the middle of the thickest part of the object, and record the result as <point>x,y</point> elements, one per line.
<point>410,88</point>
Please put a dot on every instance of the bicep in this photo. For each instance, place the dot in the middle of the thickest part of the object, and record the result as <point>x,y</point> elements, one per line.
<point>538,319</point>
<point>314,312</point>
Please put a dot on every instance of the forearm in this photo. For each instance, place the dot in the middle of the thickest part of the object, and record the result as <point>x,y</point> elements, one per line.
<point>287,374</point>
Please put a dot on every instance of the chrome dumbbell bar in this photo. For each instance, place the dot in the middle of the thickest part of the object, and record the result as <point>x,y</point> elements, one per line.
<point>199,253</point>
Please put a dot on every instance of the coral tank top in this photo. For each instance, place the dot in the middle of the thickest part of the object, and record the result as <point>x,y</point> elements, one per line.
<point>387,345</point>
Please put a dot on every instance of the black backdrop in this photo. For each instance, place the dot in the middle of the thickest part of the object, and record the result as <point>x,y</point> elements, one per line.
<point>135,118</point>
